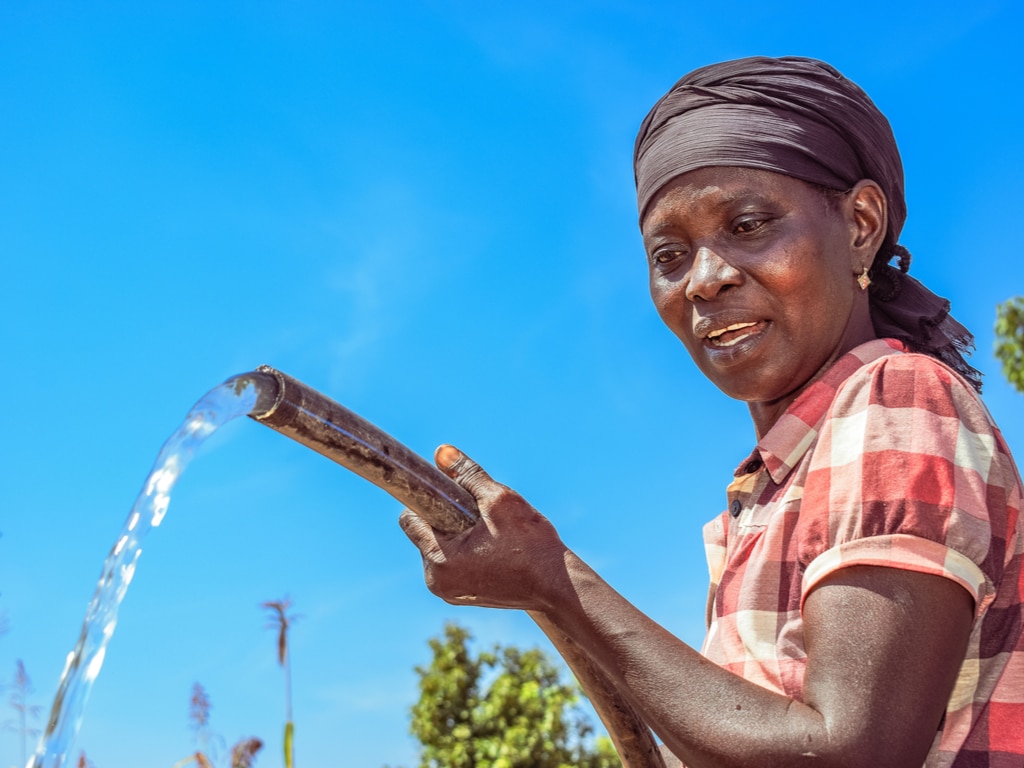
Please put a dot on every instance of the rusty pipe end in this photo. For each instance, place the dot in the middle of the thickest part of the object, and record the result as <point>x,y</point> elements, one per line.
<point>269,390</point>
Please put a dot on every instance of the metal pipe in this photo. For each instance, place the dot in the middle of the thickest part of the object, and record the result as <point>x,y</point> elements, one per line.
<point>306,416</point>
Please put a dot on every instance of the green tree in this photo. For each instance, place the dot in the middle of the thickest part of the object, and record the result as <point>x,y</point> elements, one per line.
<point>1010,340</point>
<point>506,708</point>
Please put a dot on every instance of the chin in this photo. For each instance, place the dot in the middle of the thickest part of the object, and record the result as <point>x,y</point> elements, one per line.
<point>755,388</point>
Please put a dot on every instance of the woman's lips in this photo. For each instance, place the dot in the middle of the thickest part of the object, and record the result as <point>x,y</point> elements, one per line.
<point>730,335</point>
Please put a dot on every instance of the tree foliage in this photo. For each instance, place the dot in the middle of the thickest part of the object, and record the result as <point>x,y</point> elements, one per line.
<point>1010,340</point>
<point>506,708</point>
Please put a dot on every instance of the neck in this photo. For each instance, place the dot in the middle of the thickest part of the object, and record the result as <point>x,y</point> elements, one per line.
<point>765,413</point>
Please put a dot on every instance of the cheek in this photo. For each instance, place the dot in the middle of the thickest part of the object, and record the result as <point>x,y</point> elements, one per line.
<point>670,300</point>
<point>671,305</point>
<point>676,314</point>
<point>804,282</point>
<point>816,301</point>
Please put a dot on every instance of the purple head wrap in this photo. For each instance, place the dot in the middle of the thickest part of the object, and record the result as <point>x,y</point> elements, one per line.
<point>802,118</point>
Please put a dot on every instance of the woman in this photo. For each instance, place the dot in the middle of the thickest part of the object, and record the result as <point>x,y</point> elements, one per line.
<point>866,576</point>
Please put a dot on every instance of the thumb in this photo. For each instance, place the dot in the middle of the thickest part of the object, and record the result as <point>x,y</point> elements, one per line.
<point>466,472</point>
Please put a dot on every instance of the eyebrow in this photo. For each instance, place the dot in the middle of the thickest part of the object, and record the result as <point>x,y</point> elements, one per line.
<point>727,198</point>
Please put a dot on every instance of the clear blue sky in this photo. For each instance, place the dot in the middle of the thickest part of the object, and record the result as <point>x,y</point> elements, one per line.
<point>425,210</point>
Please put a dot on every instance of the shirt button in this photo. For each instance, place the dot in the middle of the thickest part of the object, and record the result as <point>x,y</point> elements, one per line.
<point>735,508</point>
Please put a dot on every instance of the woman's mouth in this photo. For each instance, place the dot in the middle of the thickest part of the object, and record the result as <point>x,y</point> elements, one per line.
<point>730,335</point>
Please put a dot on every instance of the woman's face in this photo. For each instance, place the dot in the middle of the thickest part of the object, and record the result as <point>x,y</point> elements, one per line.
<point>756,273</point>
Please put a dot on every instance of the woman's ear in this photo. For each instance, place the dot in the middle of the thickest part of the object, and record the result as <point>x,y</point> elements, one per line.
<point>867,213</point>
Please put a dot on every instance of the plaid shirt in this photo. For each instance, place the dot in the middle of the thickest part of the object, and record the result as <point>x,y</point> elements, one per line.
<point>891,460</point>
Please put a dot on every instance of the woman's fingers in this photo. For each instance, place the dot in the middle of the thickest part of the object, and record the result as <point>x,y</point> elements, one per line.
<point>466,472</point>
<point>507,560</point>
<point>415,527</point>
<point>422,535</point>
<point>425,538</point>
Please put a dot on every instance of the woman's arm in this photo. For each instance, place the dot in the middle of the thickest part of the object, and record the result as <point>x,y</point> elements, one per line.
<point>884,645</point>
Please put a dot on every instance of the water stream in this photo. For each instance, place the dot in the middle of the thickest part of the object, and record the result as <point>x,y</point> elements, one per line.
<point>235,397</point>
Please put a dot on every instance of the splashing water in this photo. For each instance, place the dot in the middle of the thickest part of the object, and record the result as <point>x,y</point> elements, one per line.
<point>235,397</point>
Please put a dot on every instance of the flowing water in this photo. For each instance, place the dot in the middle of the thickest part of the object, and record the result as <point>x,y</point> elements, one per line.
<point>234,398</point>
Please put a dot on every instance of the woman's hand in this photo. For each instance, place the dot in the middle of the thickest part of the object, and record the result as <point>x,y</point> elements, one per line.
<point>512,557</point>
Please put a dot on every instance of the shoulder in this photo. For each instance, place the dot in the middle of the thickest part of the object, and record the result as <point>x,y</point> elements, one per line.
<point>907,380</point>
<point>907,448</point>
<point>913,403</point>
<point>909,471</point>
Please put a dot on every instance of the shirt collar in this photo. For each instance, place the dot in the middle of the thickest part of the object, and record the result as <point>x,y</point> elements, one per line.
<point>796,430</point>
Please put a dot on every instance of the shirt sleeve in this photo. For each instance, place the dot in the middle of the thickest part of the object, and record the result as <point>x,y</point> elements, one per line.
<point>908,473</point>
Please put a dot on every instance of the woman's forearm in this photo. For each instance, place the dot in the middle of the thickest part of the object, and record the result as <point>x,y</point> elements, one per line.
<point>705,714</point>
<point>884,646</point>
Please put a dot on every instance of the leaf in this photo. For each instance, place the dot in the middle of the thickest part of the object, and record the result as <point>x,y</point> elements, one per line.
<point>1009,348</point>
<point>509,708</point>
<point>289,754</point>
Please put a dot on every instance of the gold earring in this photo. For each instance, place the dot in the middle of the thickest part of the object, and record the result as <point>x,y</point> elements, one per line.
<point>864,280</point>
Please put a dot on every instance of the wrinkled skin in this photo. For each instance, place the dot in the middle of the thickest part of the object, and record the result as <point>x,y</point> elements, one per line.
<point>764,256</point>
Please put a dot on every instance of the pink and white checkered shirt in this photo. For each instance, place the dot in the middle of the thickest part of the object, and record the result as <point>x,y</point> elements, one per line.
<point>890,459</point>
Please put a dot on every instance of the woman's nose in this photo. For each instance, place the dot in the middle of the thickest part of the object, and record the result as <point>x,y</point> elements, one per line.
<point>710,275</point>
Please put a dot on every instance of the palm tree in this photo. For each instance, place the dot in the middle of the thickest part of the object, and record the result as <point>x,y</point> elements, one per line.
<point>281,620</point>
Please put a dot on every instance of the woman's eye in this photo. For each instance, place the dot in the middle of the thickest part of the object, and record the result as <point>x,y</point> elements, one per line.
<point>748,225</point>
<point>667,255</point>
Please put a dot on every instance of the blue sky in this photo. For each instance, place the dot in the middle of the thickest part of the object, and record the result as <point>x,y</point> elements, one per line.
<point>425,210</point>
